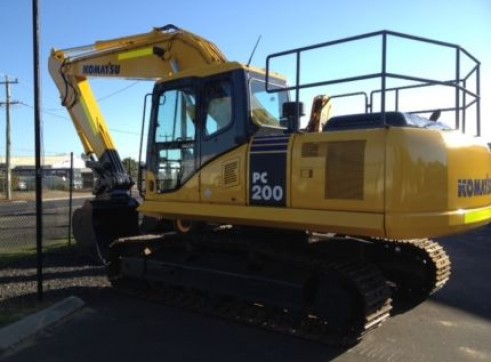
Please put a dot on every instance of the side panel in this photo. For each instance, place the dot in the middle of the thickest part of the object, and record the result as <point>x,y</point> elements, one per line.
<point>342,171</point>
<point>189,192</point>
<point>438,183</point>
<point>268,171</point>
<point>223,181</point>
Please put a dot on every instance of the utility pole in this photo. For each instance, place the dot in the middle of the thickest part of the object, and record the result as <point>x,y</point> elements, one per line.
<point>37,143</point>
<point>8,102</point>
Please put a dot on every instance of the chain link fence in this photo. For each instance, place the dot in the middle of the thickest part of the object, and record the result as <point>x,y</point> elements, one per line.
<point>30,280</point>
<point>64,189</point>
<point>18,218</point>
<point>18,207</point>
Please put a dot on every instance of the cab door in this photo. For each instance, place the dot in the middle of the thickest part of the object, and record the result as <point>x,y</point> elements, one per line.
<point>223,139</point>
<point>174,148</point>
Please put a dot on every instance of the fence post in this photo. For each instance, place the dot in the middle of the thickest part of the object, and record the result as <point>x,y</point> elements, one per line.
<point>128,170</point>
<point>70,201</point>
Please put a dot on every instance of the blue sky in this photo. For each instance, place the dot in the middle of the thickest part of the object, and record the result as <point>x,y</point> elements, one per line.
<point>234,27</point>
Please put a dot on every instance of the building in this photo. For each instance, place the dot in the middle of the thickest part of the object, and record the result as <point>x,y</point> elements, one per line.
<point>61,161</point>
<point>56,170</point>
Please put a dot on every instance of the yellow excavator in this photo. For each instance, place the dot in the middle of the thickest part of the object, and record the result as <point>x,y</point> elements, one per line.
<point>313,232</point>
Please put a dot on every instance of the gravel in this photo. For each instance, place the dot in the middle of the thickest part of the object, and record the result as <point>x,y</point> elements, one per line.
<point>65,272</point>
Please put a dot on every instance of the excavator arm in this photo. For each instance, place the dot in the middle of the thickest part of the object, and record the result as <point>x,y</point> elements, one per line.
<point>155,55</point>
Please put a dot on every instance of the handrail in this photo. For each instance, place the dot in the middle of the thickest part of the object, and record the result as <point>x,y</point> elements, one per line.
<point>464,96</point>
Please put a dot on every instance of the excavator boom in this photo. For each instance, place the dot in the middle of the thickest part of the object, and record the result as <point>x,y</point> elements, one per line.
<point>156,55</point>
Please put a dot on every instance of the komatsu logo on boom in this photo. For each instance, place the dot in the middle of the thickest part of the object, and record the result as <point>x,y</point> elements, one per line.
<point>474,187</point>
<point>101,69</point>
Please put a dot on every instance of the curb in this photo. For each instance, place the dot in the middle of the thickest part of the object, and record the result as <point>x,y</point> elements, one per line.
<point>30,325</point>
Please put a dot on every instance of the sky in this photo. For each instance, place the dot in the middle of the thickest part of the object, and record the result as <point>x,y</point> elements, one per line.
<point>234,27</point>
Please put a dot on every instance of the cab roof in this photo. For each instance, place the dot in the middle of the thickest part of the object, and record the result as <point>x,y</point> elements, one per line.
<point>215,69</point>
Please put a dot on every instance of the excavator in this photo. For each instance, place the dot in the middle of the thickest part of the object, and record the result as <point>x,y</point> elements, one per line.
<point>314,232</point>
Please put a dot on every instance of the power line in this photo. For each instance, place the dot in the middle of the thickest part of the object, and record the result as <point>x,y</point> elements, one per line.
<point>46,111</point>
<point>69,120</point>
<point>118,91</point>
<point>132,84</point>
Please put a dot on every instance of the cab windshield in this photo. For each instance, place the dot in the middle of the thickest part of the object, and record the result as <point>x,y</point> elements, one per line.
<point>266,108</point>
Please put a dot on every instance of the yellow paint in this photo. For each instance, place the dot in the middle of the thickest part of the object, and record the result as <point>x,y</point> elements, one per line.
<point>319,220</point>
<point>423,170</point>
<point>214,190</point>
<point>93,130</point>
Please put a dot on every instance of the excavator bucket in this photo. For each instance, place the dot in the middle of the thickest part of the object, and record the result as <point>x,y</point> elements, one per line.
<point>99,222</point>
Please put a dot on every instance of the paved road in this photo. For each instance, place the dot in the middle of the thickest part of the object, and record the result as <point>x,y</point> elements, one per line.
<point>453,325</point>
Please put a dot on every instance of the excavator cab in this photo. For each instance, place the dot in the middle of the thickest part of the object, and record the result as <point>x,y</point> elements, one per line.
<point>195,120</point>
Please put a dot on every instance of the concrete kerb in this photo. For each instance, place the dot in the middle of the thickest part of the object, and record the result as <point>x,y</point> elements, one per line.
<point>17,332</point>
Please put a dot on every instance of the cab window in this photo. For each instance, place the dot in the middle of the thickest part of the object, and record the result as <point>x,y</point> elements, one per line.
<point>265,107</point>
<point>218,106</point>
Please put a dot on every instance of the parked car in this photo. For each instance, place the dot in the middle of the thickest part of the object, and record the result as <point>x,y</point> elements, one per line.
<point>21,185</point>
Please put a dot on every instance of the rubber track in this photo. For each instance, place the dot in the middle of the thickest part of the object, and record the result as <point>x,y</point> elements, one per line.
<point>368,281</point>
<point>436,259</point>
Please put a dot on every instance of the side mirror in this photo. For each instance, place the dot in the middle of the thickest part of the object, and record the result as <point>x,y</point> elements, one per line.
<point>292,111</point>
